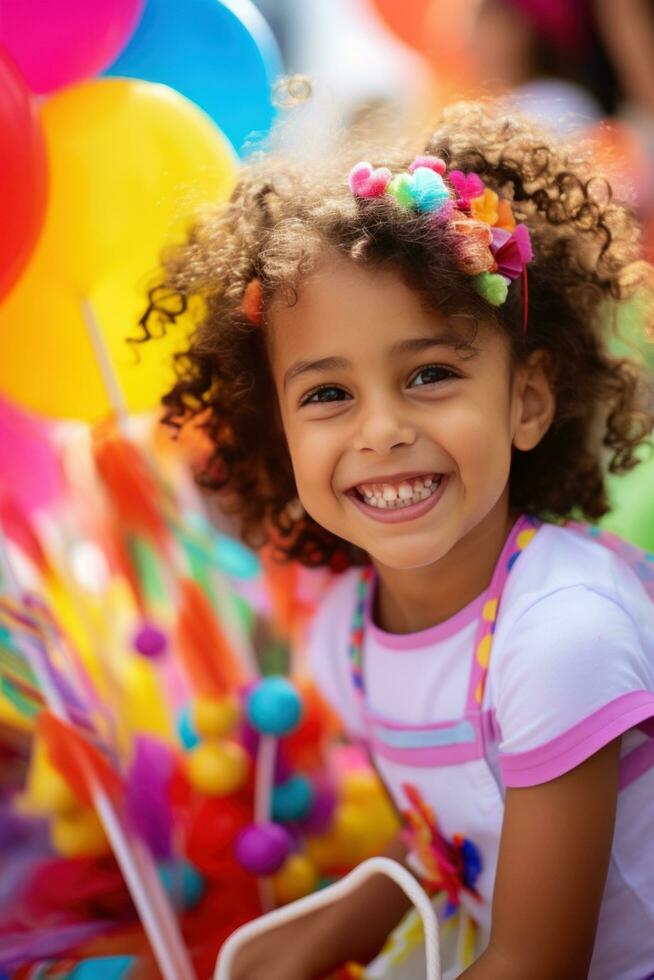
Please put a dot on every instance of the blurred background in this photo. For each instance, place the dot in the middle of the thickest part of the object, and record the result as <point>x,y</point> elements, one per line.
<point>134,626</point>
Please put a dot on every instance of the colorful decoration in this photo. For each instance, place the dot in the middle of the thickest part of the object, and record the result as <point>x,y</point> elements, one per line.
<point>449,866</point>
<point>492,255</point>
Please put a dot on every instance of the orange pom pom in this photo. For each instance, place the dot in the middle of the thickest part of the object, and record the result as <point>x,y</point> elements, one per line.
<point>484,208</point>
<point>505,218</point>
<point>252,302</point>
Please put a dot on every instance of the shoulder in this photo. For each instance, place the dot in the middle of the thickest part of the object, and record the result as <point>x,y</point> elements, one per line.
<point>560,559</point>
<point>328,645</point>
<point>573,656</point>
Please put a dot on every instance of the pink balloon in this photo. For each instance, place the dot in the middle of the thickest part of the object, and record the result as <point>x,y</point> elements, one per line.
<point>30,474</point>
<point>63,41</point>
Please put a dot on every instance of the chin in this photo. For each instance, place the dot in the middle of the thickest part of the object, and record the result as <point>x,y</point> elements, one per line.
<point>404,559</point>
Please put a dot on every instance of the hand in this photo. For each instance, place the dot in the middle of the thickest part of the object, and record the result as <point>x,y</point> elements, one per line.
<point>285,953</point>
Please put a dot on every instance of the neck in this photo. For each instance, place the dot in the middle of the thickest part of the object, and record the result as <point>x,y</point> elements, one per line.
<point>409,600</point>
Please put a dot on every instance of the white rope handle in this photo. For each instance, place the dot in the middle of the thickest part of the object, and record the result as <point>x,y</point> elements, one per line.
<point>318,900</point>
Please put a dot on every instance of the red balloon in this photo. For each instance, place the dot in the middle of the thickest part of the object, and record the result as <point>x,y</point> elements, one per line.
<point>23,174</point>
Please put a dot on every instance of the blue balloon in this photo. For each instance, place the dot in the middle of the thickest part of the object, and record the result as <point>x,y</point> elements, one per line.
<point>221,54</point>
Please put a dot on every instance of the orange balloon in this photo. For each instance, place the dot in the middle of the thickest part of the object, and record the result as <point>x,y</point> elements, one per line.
<point>436,29</point>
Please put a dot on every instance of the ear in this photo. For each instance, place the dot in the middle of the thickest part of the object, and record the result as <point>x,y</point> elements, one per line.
<point>534,400</point>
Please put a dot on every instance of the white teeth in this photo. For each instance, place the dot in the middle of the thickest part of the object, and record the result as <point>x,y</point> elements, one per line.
<point>390,498</point>
<point>409,492</point>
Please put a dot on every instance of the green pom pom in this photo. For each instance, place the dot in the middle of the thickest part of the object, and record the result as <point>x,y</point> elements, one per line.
<point>401,188</point>
<point>492,287</point>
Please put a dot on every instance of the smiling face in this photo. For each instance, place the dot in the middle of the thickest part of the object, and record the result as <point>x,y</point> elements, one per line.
<point>400,429</point>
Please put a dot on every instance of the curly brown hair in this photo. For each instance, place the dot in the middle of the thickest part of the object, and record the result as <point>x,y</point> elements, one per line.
<point>281,218</point>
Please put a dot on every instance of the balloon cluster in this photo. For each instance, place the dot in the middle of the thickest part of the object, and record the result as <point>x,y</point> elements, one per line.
<point>101,173</point>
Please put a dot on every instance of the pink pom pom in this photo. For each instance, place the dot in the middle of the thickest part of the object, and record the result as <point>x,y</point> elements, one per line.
<point>432,163</point>
<point>365,181</point>
<point>466,187</point>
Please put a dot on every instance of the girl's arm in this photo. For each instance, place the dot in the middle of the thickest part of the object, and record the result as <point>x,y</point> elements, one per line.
<point>354,928</point>
<point>554,856</point>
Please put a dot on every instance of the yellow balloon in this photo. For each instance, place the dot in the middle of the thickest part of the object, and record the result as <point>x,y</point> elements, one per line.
<point>131,164</point>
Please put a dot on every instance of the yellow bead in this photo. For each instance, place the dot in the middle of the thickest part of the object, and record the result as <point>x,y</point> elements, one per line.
<point>345,843</point>
<point>216,718</point>
<point>360,786</point>
<point>218,768</point>
<point>297,877</point>
<point>78,834</point>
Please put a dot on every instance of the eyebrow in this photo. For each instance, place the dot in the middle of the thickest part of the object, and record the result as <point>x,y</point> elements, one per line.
<point>412,345</point>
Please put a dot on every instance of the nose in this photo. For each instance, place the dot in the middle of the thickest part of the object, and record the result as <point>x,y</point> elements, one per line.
<point>383,428</point>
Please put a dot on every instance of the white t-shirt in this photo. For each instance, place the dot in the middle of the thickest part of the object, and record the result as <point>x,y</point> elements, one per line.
<point>572,667</point>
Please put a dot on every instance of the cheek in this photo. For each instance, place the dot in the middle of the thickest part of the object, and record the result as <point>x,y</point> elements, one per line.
<point>478,437</point>
<point>313,459</point>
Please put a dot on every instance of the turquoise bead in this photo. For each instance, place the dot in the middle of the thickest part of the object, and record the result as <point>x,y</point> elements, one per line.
<point>104,968</point>
<point>274,706</point>
<point>292,799</point>
<point>183,883</point>
<point>186,729</point>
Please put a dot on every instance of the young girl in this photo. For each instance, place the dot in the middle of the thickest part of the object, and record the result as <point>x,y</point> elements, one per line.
<point>403,373</point>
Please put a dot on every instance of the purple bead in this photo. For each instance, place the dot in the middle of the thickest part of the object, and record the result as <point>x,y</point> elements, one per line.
<point>320,815</point>
<point>262,848</point>
<point>150,641</point>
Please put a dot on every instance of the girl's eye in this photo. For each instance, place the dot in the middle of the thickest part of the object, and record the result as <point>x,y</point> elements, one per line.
<point>431,374</point>
<point>326,393</point>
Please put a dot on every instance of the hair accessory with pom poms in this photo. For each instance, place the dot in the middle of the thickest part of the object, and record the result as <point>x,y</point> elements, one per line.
<point>488,243</point>
<point>252,302</point>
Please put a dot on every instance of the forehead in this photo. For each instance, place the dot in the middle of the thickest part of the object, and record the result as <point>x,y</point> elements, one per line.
<point>350,305</point>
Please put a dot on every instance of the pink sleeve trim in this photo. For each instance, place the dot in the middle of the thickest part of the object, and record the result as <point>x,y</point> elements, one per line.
<point>578,743</point>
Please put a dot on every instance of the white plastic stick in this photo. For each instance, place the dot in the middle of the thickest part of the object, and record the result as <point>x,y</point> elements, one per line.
<point>318,900</point>
<point>263,788</point>
<point>103,360</point>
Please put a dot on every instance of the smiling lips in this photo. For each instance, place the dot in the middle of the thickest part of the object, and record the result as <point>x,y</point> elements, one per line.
<point>400,494</point>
